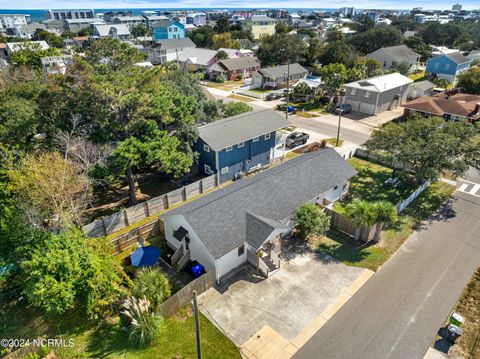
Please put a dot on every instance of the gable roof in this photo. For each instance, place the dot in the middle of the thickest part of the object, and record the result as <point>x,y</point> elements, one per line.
<point>381,83</point>
<point>457,57</point>
<point>280,71</point>
<point>239,63</point>
<point>272,196</point>
<point>245,43</point>
<point>262,18</point>
<point>399,53</point>
<point>233,130</point>
<point>424,85</point>
<point>197,55</point>
<point>174,43</point>
<point>106,30</point>
<point>460,104</point>
<point>259,228</point>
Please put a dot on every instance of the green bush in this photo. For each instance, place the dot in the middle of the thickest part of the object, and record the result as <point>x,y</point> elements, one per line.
<point>311,220</point>
<point>151,284</point>
<point>220,79</point>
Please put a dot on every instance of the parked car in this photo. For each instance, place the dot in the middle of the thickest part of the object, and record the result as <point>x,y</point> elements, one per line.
<point>344,108</point>
<point>273,96</point>
<point>296,139</point>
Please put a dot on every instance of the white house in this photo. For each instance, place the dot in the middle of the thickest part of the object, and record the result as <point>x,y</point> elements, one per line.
<point>16,46</point>
<point>163,51</point>
<point>243,222</point>
<point>377,94</point>
<point>118,31</point>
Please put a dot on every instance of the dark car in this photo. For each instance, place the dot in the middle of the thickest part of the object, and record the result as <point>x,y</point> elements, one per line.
<point>273,96</point>
<point>344,108</point>
<point>296,139</point>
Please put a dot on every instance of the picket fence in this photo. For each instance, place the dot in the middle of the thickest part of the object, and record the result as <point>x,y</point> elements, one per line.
<point>129,216</point>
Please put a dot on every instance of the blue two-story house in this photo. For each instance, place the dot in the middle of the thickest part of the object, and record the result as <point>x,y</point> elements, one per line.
<point>168,30</point>
<point>238,144</point>
<point>448,66</point>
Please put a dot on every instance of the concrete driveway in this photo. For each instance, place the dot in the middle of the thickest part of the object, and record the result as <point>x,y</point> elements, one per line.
<point>292,297</point>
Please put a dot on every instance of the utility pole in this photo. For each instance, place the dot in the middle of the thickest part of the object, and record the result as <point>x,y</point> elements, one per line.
<point>339,122</point>
<point>197,325</point>
<point>288,88</point>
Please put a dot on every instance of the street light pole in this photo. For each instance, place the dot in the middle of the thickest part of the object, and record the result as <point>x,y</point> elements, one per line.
<point>338,130</point>
<point>197,325</point>
<point>288,88</point>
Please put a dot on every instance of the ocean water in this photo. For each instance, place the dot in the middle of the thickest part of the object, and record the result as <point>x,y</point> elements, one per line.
<point>39,15</point>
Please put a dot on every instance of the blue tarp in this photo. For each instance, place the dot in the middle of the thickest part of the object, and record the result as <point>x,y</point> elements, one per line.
<point>145,256</point>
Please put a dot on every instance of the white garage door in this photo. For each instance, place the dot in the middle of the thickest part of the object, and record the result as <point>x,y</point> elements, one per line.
<point>367,108</point>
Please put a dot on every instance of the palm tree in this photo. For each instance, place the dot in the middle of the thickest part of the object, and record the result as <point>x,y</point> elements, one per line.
<point>361,213</point>
<point>383,212</point>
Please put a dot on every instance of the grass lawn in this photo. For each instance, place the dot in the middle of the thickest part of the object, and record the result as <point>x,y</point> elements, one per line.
<point>372,256</point>
<point>305,114</point>
<point>417,76</point>
<point>469,307</point>
<point>369,184</point>
<point>242,98</point>
<point>226,86</point>
<point>107,340</point>
<point>333,141</point>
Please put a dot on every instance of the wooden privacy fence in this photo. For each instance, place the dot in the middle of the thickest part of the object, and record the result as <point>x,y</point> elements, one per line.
<point>347,226</point>
<point>127,217</point>
<point>184,295</point>
<point>137,235</point>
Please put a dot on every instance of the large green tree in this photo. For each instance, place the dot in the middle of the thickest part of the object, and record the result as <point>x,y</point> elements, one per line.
<point>428,146</point>
<point>333,77</point>
<point>375,38</point>
<point>281,48</point>
<point>469,81</point>
<point>69,270</point>
<point>30,54</point>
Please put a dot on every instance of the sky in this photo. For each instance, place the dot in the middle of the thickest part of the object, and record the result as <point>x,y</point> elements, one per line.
<point>285,4</point>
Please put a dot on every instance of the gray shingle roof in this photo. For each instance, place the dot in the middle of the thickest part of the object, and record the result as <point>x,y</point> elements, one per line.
<point>175,43</point>
<point>400,53</point>
<point>220,217</point>
<point>280,71</point>
<point>424,85</point>
<point>260,228</point>
<point>458,58</point>
<point>232,130</point>
<point>239,63</point>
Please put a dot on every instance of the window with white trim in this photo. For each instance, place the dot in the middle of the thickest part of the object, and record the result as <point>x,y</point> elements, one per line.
<point>447,66</point>
<point>206,148</point>
<point>367,94</point>
<point>255,139</point>
<point>353,91</point>
<point>224,170</point>
<point>207,169</point>
<point>267,136</point>
<point>229,148</point>
<point>241,144</point>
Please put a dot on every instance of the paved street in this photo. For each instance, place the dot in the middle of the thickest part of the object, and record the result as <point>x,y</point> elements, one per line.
<point>397,313</point>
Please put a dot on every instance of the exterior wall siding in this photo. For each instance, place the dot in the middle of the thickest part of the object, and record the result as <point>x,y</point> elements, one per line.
<point>382,101</point>
<point>205,158</point>
<point>198,251</point>
<point>230,261</point>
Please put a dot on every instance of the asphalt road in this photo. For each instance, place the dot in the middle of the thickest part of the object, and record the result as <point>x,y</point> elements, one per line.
<point>397,313</point>
<point>330,129</point>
